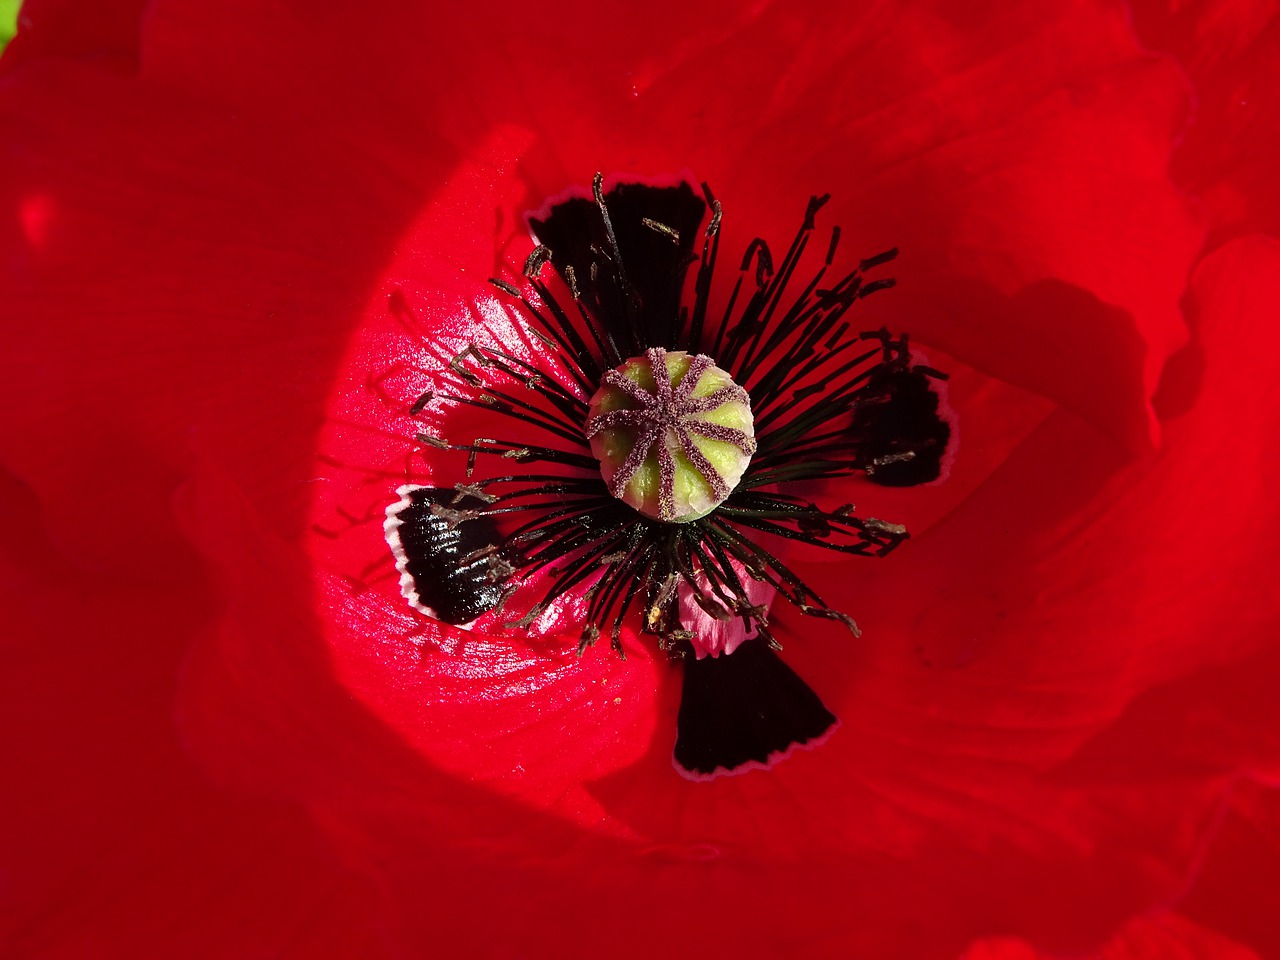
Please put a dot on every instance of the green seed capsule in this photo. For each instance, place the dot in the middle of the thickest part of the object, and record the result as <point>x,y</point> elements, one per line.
<point>673,434</point>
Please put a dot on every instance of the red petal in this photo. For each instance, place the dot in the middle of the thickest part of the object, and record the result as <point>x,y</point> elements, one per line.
<point>1230,49</point>
<point>1236,889</point>
<point>114,844</point>
<point>1014,634</point>
<point>1158,936</point>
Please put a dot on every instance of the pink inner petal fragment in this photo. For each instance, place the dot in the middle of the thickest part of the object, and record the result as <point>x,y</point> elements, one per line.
<point>713,636</point>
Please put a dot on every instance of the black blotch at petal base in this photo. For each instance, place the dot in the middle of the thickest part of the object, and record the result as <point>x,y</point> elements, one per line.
<point>743,707</point>
<point>896,414</point>
<point>655,265</point>
<point>457,592</point>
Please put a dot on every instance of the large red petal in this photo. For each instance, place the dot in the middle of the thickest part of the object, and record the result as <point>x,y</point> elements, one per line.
<point>1230,49</point>
<point>114,843</point>
<point>1156,936</point>
<point>1236,889</point>
<point>1014,636</point>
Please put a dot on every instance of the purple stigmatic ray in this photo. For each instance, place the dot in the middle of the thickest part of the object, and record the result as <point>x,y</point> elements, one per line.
<point>665,420</point>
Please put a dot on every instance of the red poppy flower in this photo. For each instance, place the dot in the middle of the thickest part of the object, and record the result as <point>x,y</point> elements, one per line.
<point>238,244</point>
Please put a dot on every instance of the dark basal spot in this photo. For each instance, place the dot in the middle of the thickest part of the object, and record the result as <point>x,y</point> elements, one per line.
<point>744,707</point>
<point>897,431</point>
<point>655,260</point>
<point>450,567</point>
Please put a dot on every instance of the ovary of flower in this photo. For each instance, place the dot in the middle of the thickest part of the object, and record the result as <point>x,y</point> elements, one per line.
<point>672,445</point>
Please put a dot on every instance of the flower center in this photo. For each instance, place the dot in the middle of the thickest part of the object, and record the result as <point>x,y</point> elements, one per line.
<point>673,434</point>
<point>671,496</point>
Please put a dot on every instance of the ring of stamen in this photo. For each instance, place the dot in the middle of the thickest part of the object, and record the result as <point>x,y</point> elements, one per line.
<point>801,361</point>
